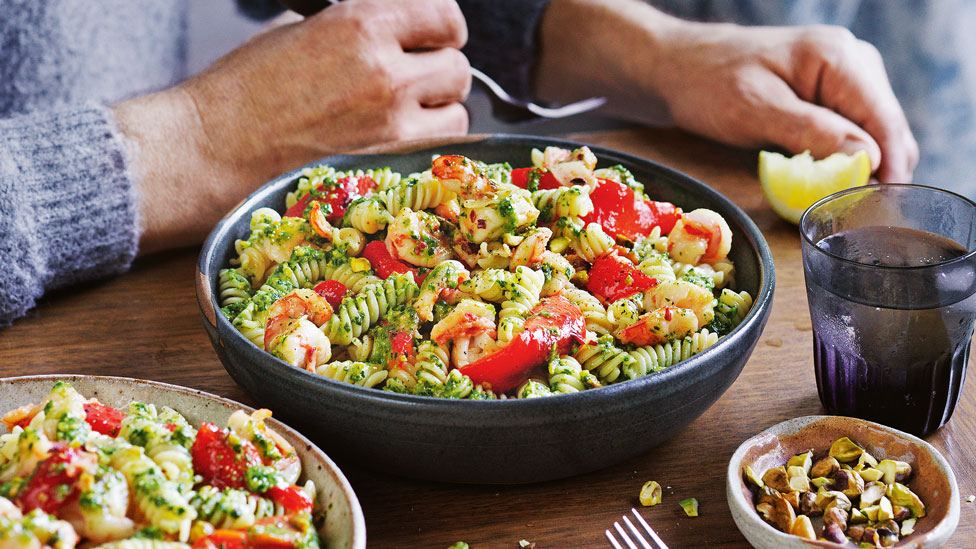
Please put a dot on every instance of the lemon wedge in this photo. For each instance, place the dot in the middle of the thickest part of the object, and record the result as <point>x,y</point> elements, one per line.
<point>793,184</point>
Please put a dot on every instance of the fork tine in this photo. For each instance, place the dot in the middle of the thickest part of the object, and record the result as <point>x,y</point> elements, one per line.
<point>613,540</point>
<point>624,536</point>
<point>647,527</point>
<point>637,534</point>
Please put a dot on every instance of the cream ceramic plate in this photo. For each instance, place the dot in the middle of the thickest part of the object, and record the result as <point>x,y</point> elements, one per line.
<point>932,478</point>
<point>344,527</point>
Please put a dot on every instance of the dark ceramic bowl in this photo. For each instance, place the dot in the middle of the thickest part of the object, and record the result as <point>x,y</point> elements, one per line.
<point>508,441</point>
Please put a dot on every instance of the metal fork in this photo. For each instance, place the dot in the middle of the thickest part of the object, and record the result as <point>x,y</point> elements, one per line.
<point>637,534</point>
<point>511,109</point>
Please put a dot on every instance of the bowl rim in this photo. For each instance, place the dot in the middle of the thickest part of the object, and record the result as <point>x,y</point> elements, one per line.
<point>617,392</point>
<point>735,497</point>
<point>356,512</point>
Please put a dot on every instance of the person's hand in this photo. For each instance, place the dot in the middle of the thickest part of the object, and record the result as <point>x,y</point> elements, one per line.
<point>800,88</point>
<point>360,73</point>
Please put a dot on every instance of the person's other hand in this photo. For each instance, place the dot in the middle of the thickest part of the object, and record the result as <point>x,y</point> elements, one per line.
<point>800,88</point>
<point>362,72</point>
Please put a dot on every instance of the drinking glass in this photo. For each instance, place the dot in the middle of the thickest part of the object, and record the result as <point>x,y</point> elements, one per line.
<point>891,282</point>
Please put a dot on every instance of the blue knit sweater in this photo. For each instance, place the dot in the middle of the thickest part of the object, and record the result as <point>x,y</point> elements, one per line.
<point>67,197</point>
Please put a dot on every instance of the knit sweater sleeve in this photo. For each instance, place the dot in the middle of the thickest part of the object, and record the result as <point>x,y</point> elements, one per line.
<point>67,207</point>
<point>503,40</point>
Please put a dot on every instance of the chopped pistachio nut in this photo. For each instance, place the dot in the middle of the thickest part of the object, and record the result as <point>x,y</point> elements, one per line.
<point>797,478</point>
<point>793,498</point>
<point>870,474</point>
<point>872,494</point>
<point>690,506</point>
<point>359,264</point>
<point>803,528</point>
<point>783,515</point>
<point>857,516</point>
<point>825,467</point>
<point>834,533</point>
<point>777,479</point>
<point>752,477</point>
<point>866,460</point>
<point>901,495</point>
<point>650,494</point>
<point>525,543</point>
<point>908,526</point>
<point>971,498</point>
<point>822,482</point>
<point>843,449</point>
<point>885,511</point>
<point>459,545</point>
<point>804,460</point>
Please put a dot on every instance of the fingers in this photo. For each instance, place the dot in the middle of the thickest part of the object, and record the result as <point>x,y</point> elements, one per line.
<point>848,76</point>
<point>416,23</point>
<point>445,120</point>
<point>437,77</point>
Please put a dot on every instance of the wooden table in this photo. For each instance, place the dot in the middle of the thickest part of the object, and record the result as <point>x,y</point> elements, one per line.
<point>145,324</point>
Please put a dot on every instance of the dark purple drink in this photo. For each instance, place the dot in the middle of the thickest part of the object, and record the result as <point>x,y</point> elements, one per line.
<point>891,337</point>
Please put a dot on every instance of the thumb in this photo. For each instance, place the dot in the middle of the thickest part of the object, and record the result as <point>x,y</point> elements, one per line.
<point>799,126</point>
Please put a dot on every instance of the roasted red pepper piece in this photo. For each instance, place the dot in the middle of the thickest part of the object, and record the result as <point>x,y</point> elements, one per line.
<point>53,482</point>
<point>617,210</point>
<point>291,497</point>
<point>385,264</point>
<point>543,177</point>
<point>337,197</point>
<point>612,278</point>
<point>554,322</point>
<point>103,419</point>
<point>223,539</point>
<point>220,462</point>
<point>333,291</point>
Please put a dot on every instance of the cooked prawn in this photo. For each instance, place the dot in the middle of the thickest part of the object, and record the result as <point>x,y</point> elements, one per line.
<point>302,302</point>
<point>462,176</point>
<point>683,294</point>
<point>700,236</point>
<point>297,342</point>
<point>571,168</point>
<point>529,251</point>
<point>292,332</point>
<point>468,319</point>
<point>449,210</point>
<point>415,237</point>
<point>660,326</point>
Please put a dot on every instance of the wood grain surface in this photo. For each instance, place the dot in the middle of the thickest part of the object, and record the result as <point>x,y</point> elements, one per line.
<point>145,324</point>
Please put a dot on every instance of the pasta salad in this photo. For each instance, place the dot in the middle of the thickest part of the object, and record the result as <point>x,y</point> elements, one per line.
<point>76,472</point>
<point>481,281</point>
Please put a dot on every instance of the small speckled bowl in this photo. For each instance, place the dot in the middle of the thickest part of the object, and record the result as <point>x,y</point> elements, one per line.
<point>492,441</point>
<point>344,527</point>
<point>931,479</point>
